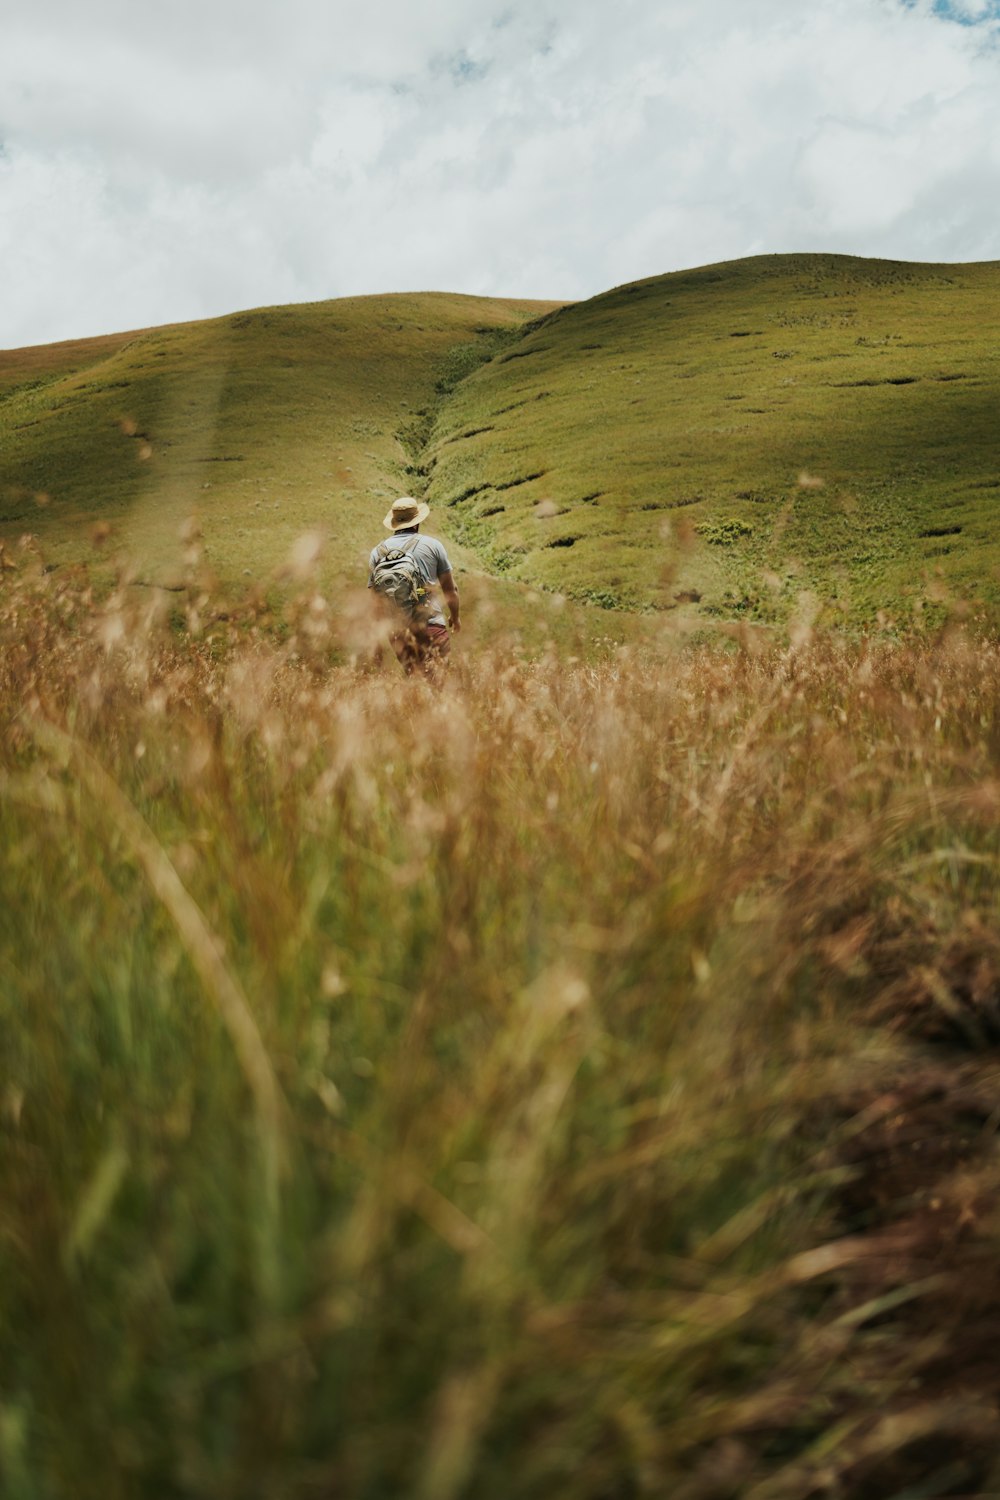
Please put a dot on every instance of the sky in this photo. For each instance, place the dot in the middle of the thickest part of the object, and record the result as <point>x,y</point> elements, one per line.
<point>163,162</point>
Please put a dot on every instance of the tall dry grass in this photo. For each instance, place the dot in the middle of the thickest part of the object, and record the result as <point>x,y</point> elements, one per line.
<point>500,1091</point>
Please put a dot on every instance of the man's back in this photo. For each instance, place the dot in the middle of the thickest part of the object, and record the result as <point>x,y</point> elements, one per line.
<point>420,637</point>
<point>430,557</point>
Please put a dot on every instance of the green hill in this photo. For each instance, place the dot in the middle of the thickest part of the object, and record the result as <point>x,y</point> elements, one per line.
<point>263,424</point>
<point>715,443</point>
<point>744,432</point>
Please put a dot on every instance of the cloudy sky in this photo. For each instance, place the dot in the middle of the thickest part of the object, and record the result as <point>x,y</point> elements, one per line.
<point>169,161</point>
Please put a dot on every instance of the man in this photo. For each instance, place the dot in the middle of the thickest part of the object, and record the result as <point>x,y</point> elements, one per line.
<point>421,641</point>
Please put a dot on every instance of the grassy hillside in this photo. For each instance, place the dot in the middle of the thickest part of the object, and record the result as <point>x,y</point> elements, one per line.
<point>579,1085</point>
<point>743,441</point>
<point>576,1082</point>
<point>265,424</point>
<point>745,432</point>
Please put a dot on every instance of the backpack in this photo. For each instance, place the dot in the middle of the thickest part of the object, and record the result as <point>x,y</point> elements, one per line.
<point>396,576</point>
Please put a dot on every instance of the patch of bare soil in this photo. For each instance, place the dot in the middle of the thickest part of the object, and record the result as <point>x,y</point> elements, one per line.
<point>924,1193</point>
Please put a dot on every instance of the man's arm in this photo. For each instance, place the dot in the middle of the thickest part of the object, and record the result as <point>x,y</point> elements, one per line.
<point>449,590</point>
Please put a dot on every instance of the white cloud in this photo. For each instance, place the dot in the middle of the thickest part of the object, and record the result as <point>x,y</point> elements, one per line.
<point>174,162</point>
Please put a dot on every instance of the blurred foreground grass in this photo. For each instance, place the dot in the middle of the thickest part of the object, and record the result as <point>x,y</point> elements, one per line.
<point>514,1091</point>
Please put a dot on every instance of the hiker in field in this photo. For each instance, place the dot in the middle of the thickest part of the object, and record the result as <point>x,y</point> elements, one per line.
<point>406,573</point>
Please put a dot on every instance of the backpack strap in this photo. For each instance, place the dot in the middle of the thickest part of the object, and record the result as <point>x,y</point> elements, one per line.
<point>384,548</point>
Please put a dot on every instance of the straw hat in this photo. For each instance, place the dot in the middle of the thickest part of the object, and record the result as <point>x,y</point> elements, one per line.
<point>406,512</point>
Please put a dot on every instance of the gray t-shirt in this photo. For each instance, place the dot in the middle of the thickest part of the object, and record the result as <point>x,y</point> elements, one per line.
<point>431,559</point>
